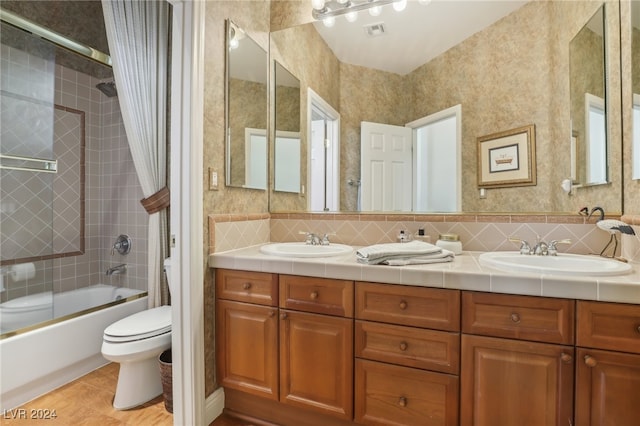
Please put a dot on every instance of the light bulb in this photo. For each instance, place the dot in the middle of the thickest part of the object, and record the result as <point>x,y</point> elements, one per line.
<point>233,44</point>
<point>329,21</point>
<point>351,16</point>
<point>399,6</point>
<point>317,4</point>
<point>424,2</point>
<point>375,11</point>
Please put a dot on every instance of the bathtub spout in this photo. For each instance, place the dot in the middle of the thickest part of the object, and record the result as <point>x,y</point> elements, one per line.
<point>119,269</point>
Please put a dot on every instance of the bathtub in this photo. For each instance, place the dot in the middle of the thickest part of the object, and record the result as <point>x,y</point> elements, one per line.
<point>67,346</point>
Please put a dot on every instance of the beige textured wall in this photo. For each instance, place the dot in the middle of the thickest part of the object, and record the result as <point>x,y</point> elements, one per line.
<point>253,17</point>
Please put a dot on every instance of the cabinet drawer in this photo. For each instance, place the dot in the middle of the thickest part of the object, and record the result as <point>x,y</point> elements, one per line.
<point>252,287</point>
<point>405,305</point>
<point>614,326</point>
<point>412,347</point>
<point>520,317</point>
<point>318,295</point>
<point>390,394</point>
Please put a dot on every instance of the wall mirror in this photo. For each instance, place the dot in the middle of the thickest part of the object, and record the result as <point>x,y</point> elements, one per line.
<point>635,85</point>
<point>287,131</point>
<point>246,111</point>
<point>511,72</point>
<point>589,165</point>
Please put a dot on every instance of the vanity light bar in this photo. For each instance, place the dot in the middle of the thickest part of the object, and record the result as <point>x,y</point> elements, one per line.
<point>333,8</point>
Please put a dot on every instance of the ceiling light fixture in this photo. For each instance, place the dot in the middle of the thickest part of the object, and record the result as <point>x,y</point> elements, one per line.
<point>350,8</point>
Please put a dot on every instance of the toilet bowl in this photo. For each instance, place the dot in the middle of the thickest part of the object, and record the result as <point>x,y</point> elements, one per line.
<point>135,342</point>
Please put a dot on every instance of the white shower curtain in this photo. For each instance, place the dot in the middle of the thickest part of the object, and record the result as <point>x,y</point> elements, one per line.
<point>137,36</point>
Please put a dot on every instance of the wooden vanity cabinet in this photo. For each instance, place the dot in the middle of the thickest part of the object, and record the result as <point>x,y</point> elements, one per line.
<point>247,333</point>
<point>407,348</point>
<point>608,364</point>
<point>316,344</point>
<point>517,364</point>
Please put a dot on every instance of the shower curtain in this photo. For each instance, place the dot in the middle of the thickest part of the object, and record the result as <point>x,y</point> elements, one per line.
<point>137,35</point>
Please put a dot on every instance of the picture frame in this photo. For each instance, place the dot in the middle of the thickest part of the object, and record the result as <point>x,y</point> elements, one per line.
<point>507,158</point>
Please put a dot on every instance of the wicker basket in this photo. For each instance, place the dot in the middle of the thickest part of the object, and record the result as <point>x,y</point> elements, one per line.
<point>167,382</point>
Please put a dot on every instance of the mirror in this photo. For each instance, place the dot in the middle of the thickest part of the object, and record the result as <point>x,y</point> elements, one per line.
<point>635,86</point>
<point>588,107</point>
<point>511,73</point>
<point>246,111</point>
<point>287,126</point>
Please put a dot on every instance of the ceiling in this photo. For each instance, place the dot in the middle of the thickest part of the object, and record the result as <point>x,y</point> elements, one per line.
<point>423,31</point>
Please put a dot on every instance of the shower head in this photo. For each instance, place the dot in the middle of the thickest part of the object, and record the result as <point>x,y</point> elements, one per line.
<point>108,88</point>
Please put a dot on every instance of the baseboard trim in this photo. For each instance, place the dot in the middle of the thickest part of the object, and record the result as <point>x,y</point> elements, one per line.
<point>213,405</point>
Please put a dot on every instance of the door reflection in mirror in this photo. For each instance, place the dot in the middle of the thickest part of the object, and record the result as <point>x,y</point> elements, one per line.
<point>324,155</point>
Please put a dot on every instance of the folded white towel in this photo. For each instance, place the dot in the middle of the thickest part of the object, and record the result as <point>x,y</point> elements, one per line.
<point>445,256</point>
<point>402,252</point>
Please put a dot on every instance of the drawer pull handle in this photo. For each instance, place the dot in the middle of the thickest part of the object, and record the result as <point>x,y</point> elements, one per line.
<point>314,295</point>
<point>403,346</point>
<point>403,305</point>
<point>590,361</point>
<point>246,286</point>
<point>402,401</point>
<point>566,358</point>
<point>515,317</point>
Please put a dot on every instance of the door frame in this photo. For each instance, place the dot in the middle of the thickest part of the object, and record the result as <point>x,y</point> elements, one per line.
<point>315,101</point>
<point>415,125</point>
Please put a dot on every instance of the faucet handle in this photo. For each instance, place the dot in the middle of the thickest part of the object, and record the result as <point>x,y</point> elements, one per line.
<point>553,249</point>
<point>309,236</point>
<point>525,248</point>
<point>325,239</point>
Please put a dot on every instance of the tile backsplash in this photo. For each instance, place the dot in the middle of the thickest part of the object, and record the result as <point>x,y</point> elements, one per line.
<point>477,232</point>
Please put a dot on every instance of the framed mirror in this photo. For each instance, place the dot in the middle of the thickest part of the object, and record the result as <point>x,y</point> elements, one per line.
<point>635,88</point>
<point>588,103</point>
<point>508,72</point>
<point>246,115</point>
<point>287,131</point>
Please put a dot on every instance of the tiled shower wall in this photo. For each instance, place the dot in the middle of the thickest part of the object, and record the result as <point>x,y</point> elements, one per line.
<point>112,195</point>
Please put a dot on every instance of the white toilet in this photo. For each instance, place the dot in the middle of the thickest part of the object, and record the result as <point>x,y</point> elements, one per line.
<point>135,342</point>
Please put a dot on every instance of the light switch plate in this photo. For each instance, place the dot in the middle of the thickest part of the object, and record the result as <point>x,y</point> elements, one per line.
<point>213,180</point>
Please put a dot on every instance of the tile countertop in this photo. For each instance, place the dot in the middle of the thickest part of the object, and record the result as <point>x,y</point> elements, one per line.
<point>464,273</point>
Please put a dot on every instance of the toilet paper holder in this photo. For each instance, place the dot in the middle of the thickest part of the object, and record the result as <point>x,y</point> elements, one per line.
<point>122,245</point>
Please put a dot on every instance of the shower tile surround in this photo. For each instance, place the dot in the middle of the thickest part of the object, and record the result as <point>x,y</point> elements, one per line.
<point>112,195</point>
<point>485,232</point>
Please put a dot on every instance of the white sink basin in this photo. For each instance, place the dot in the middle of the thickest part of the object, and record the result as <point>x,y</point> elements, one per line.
<point>305,250</point>
<point>562,264</point>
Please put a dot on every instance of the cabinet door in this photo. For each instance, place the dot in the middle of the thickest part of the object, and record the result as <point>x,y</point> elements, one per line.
<point>316,362</point>
<point>247,347</point>
<point>607,388</point>
<point>515,383</point>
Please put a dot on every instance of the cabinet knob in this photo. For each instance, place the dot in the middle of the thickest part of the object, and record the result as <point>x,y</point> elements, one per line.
<point>403,346</point>
<point>272,313</point>
<point>590,361</point>
<point>314,295</point>
<point>283,316</point>
<point>638,329</point>
<point>402,401</point>
<point>403,305</point>
<point>515,317</point>
<point>566,358</point>
<point>246,286</point>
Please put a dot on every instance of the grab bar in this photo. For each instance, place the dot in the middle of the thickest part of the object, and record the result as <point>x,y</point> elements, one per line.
<point>41,164</point>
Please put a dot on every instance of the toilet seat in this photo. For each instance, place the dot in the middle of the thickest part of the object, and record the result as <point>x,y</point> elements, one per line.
<point>139,326</point>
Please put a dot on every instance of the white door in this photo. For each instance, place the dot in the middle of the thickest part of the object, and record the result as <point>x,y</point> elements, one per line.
<point>317,158</point>
<point>386,162</point>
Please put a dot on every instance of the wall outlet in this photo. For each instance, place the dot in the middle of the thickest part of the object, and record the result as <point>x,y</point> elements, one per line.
<point>213,180</point>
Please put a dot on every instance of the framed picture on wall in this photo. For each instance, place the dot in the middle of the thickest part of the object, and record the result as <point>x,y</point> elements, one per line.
<point>507,158</point>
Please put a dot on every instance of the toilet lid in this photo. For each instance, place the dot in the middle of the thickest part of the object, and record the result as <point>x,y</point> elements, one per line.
<point>141,325</point>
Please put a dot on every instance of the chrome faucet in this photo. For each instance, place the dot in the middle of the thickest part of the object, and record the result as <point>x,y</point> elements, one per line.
<point>118,269</point>
<point>540,248</point>
<point>314,240</point>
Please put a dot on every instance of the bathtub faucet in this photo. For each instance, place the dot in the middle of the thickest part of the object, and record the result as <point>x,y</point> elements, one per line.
<point>119,269</point>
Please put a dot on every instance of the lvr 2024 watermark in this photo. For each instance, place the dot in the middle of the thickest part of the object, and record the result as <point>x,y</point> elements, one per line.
<point>29,414</point>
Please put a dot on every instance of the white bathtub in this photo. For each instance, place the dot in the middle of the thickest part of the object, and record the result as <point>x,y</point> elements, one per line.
<point>37,361</point>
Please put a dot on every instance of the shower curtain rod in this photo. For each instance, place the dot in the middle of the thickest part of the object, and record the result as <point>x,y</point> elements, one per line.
<point>54,37</point>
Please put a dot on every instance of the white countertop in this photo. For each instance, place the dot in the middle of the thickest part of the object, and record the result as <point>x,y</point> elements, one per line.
<point>463,273</point>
